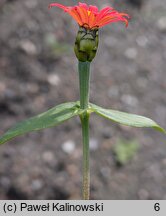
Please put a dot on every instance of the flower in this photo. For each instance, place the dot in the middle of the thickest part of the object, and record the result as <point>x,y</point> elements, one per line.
<point>90,17</point>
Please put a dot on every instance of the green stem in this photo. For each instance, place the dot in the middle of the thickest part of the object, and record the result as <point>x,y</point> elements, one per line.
<point>84,78</point>
<point>86,169</point>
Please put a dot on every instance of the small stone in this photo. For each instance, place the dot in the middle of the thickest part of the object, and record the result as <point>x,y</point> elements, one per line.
<point>106,133</point>
<point>9,93</point>
<point>143,194</point>
<point>3,62</point>
<point>105,172</point>
<point>48,156</point>
<point>125,87</point>
<point>37,184</point>
<point>28,47</point>
<point>113,92</point>
<point>93,144</point>
<point>32,88</point>
<point>155,172</point>
<point>68,146</point>
<point>5,182</point>
<point>2,87</point>
<point>164,161</point>
<point>131,53</point>
<point>31,4</point>
<point>142,82</point>
<point>39,101</point>
<point>161,24</point>
<point>107,144</point>
<point>53,79</point>
<point>142,41</point>
<point>77,154</point>
<point>129,100</point>
<point>23,179</point>
<point>72,169</point>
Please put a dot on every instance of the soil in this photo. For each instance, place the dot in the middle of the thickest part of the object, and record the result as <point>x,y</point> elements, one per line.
<point>38,70</point>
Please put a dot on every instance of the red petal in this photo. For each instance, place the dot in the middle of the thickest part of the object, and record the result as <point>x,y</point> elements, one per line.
<point>93,9</point>
<point>108,20</point>
<point>58,5</point>
<point>83,14</point>
<point>76,16</point>
<point>92,20</point>
<point>103,13</point>
<point>105,10</point>
<point>83,5</point>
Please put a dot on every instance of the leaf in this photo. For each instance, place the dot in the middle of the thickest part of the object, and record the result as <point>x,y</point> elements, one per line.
<point>126,118</point>
<point>50,118</point>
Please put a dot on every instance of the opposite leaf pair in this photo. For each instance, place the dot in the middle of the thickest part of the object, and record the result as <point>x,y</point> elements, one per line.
<point>63,112</point>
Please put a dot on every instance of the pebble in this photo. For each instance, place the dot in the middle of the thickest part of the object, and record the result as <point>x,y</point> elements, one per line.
<point>164,161</point>
<point>131,53</point>
<point>2,87</point>
<point>155,172</point>
<point>28,47</point>
<point>32,87</point>
<point>39,102</point>
<point>142,41</point>
<point>77,154</point>
<point>113,92</point>
<point>48,156</point>
<point>68,146</point>
<point>31,4</point>
<point>5,182</point>
<point>124,87</point>
<point>3,62</point>
<point>37,184</point>
<point>142,83</point>
<point>129,100</point>
<point>105,172</point>
<point>93,144</point>
<point>72,169</point>
<point>23,180</point>
<point>53,79</point>
<point>161,24</point>
<point>9,94</point>
<point>106,133</point>
<point>143,194</point>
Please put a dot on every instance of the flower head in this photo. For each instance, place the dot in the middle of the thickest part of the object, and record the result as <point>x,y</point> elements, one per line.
<point>90,17</point>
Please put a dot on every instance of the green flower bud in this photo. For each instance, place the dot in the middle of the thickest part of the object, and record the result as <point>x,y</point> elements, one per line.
<point>86,44</point>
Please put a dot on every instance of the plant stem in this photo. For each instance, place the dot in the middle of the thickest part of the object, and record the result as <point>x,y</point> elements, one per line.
<point>86,169</point>
<point>84,79</point>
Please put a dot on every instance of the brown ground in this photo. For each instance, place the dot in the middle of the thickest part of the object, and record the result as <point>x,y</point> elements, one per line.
<point>38,70</point>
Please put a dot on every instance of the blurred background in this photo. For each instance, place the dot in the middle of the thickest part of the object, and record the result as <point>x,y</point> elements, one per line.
<point>38,70</point>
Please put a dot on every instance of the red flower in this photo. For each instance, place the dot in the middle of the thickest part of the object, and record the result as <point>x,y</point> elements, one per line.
<point>90,17</point>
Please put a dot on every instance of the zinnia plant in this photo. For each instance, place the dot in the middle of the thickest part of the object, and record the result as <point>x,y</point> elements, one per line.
<point>90,19</point>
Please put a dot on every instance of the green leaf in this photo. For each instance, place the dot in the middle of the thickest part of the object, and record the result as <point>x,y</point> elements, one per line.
<point>126,118</point>
<point>50,118</point>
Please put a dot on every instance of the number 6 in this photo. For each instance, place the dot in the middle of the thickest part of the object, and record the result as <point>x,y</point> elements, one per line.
<point>157,206</point>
